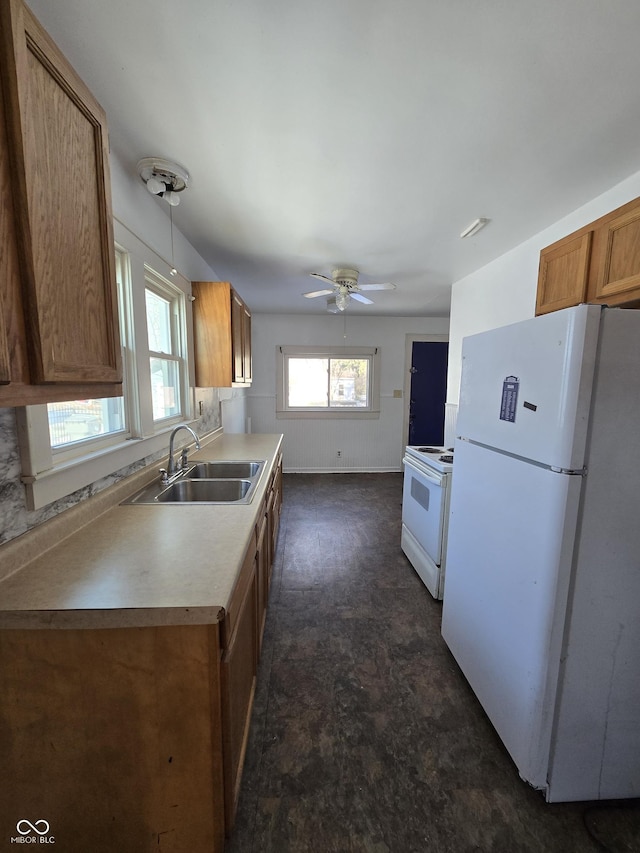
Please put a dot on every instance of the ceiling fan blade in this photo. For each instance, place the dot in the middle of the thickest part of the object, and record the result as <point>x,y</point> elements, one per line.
<point>361,298</point>
<point>385,285</point>
<point>322,278</point>
<point>313,293</point>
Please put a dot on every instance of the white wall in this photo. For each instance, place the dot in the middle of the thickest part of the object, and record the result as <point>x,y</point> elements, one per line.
<point>504,291</point>
<point>311,445</point>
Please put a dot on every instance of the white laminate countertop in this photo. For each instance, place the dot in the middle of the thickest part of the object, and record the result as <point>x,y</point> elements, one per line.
<point>136,565</point>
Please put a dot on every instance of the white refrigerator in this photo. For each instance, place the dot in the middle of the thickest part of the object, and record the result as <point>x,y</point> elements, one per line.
<point>541,602</point>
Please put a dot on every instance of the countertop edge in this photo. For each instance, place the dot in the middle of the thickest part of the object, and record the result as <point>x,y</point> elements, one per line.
<point>135,617</point>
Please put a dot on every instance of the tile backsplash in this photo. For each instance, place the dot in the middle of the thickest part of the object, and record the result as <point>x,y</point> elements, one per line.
<point>16,519</point>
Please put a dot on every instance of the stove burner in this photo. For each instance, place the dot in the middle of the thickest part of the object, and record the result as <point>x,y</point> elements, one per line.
<point>446,457</point>
<point>429,449</point>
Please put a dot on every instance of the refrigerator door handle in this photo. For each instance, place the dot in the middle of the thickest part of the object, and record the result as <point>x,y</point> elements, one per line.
<point>574,472</point>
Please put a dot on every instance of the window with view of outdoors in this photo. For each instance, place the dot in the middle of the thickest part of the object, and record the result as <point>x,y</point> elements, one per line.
<point>328,382</point>
<point>82,419</point>
<point>164,359</point>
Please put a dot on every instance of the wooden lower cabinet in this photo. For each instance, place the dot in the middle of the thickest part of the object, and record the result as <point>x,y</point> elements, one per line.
<point>263,572</point>
<point>276,506</point>
<point>113,737</point>
<point>129,739</point>
<point>238,679</point>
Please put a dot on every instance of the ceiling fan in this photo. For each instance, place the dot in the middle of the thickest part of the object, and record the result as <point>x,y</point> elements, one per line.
<point>344,286</point>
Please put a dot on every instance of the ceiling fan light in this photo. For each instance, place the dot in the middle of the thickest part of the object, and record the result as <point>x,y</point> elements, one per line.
<point>155,186</point>
<point>163,178</point>
<point>342,300</point>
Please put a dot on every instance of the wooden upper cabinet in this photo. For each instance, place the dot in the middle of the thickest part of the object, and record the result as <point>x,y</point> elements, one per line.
<point>600,263</point>
<point>563,274</point>
<point>221,335</point>
<point>11,321</point>
<point>618,270</point>
<point>66,341</point>
<point>240,340</point>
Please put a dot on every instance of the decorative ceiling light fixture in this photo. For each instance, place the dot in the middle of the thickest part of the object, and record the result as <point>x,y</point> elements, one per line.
<point>476,225</point>
<point>163,178</point>
<point>342,298</point>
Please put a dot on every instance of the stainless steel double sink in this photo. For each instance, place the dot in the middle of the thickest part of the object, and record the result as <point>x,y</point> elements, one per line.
<point>215,482</point>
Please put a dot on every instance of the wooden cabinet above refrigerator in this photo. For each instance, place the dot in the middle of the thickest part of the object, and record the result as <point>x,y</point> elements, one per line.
<point>598,263</point>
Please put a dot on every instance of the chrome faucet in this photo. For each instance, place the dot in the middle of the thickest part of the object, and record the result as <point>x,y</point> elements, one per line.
<point>172,469</point>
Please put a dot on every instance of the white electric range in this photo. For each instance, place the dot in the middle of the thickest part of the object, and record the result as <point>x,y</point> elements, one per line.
<point>425,512</point>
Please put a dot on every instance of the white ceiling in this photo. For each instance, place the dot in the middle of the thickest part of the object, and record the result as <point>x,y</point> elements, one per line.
<point>364,133</point>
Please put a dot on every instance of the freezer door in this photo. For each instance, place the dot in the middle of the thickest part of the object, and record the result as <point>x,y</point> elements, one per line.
<point>526,388</point>
<point>511,533</point>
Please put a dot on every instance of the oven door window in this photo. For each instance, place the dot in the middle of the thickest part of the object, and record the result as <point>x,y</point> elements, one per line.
<point>423,511</point>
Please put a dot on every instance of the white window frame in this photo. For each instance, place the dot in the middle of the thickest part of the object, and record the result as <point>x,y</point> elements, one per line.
<point>284,411</point>
<point>177,355</point>
<point>52,474</point>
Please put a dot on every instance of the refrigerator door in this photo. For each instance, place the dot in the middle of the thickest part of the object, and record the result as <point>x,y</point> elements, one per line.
<point>511,533</point>
<point>526,388</point>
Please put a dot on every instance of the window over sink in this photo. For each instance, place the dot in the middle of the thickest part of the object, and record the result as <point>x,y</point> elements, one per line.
<point>66,446</point>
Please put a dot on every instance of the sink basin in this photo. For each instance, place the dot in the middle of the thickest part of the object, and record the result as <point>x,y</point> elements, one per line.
<point>224,470</point>
<point>212,482</point>
<point>206,491</point>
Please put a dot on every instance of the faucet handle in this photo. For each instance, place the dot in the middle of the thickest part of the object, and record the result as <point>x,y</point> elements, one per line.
<point>184,459</point>
<point>164,475</point>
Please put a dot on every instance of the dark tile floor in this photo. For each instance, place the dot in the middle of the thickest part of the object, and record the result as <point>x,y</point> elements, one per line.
<point>365,736</point>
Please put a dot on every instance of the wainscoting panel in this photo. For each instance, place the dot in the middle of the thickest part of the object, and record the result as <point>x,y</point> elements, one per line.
<point>313,445</point>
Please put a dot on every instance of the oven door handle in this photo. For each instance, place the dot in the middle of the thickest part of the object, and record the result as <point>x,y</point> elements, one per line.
<point>410,463</point>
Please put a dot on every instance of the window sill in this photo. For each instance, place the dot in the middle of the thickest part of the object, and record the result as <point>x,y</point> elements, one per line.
<point>340,414</point>
<point>67,477</point>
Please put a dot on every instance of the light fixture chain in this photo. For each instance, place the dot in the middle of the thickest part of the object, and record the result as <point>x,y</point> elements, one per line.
<point>173,270</point>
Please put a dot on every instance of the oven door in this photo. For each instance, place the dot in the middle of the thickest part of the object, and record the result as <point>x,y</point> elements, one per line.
<point>423,507</point>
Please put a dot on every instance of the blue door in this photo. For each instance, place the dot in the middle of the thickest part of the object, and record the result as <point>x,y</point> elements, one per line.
<point>428,392</point>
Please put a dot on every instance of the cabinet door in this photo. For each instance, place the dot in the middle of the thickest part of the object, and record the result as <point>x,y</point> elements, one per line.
<point>619,268</point>
<point>262,574</point>
<point>212,333</point>
<point>563,273</point>
<point>246,344</point>
<point>237,323</point>
<point>58,140</point>
<point>10,313</point>
<point>238,678</point>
